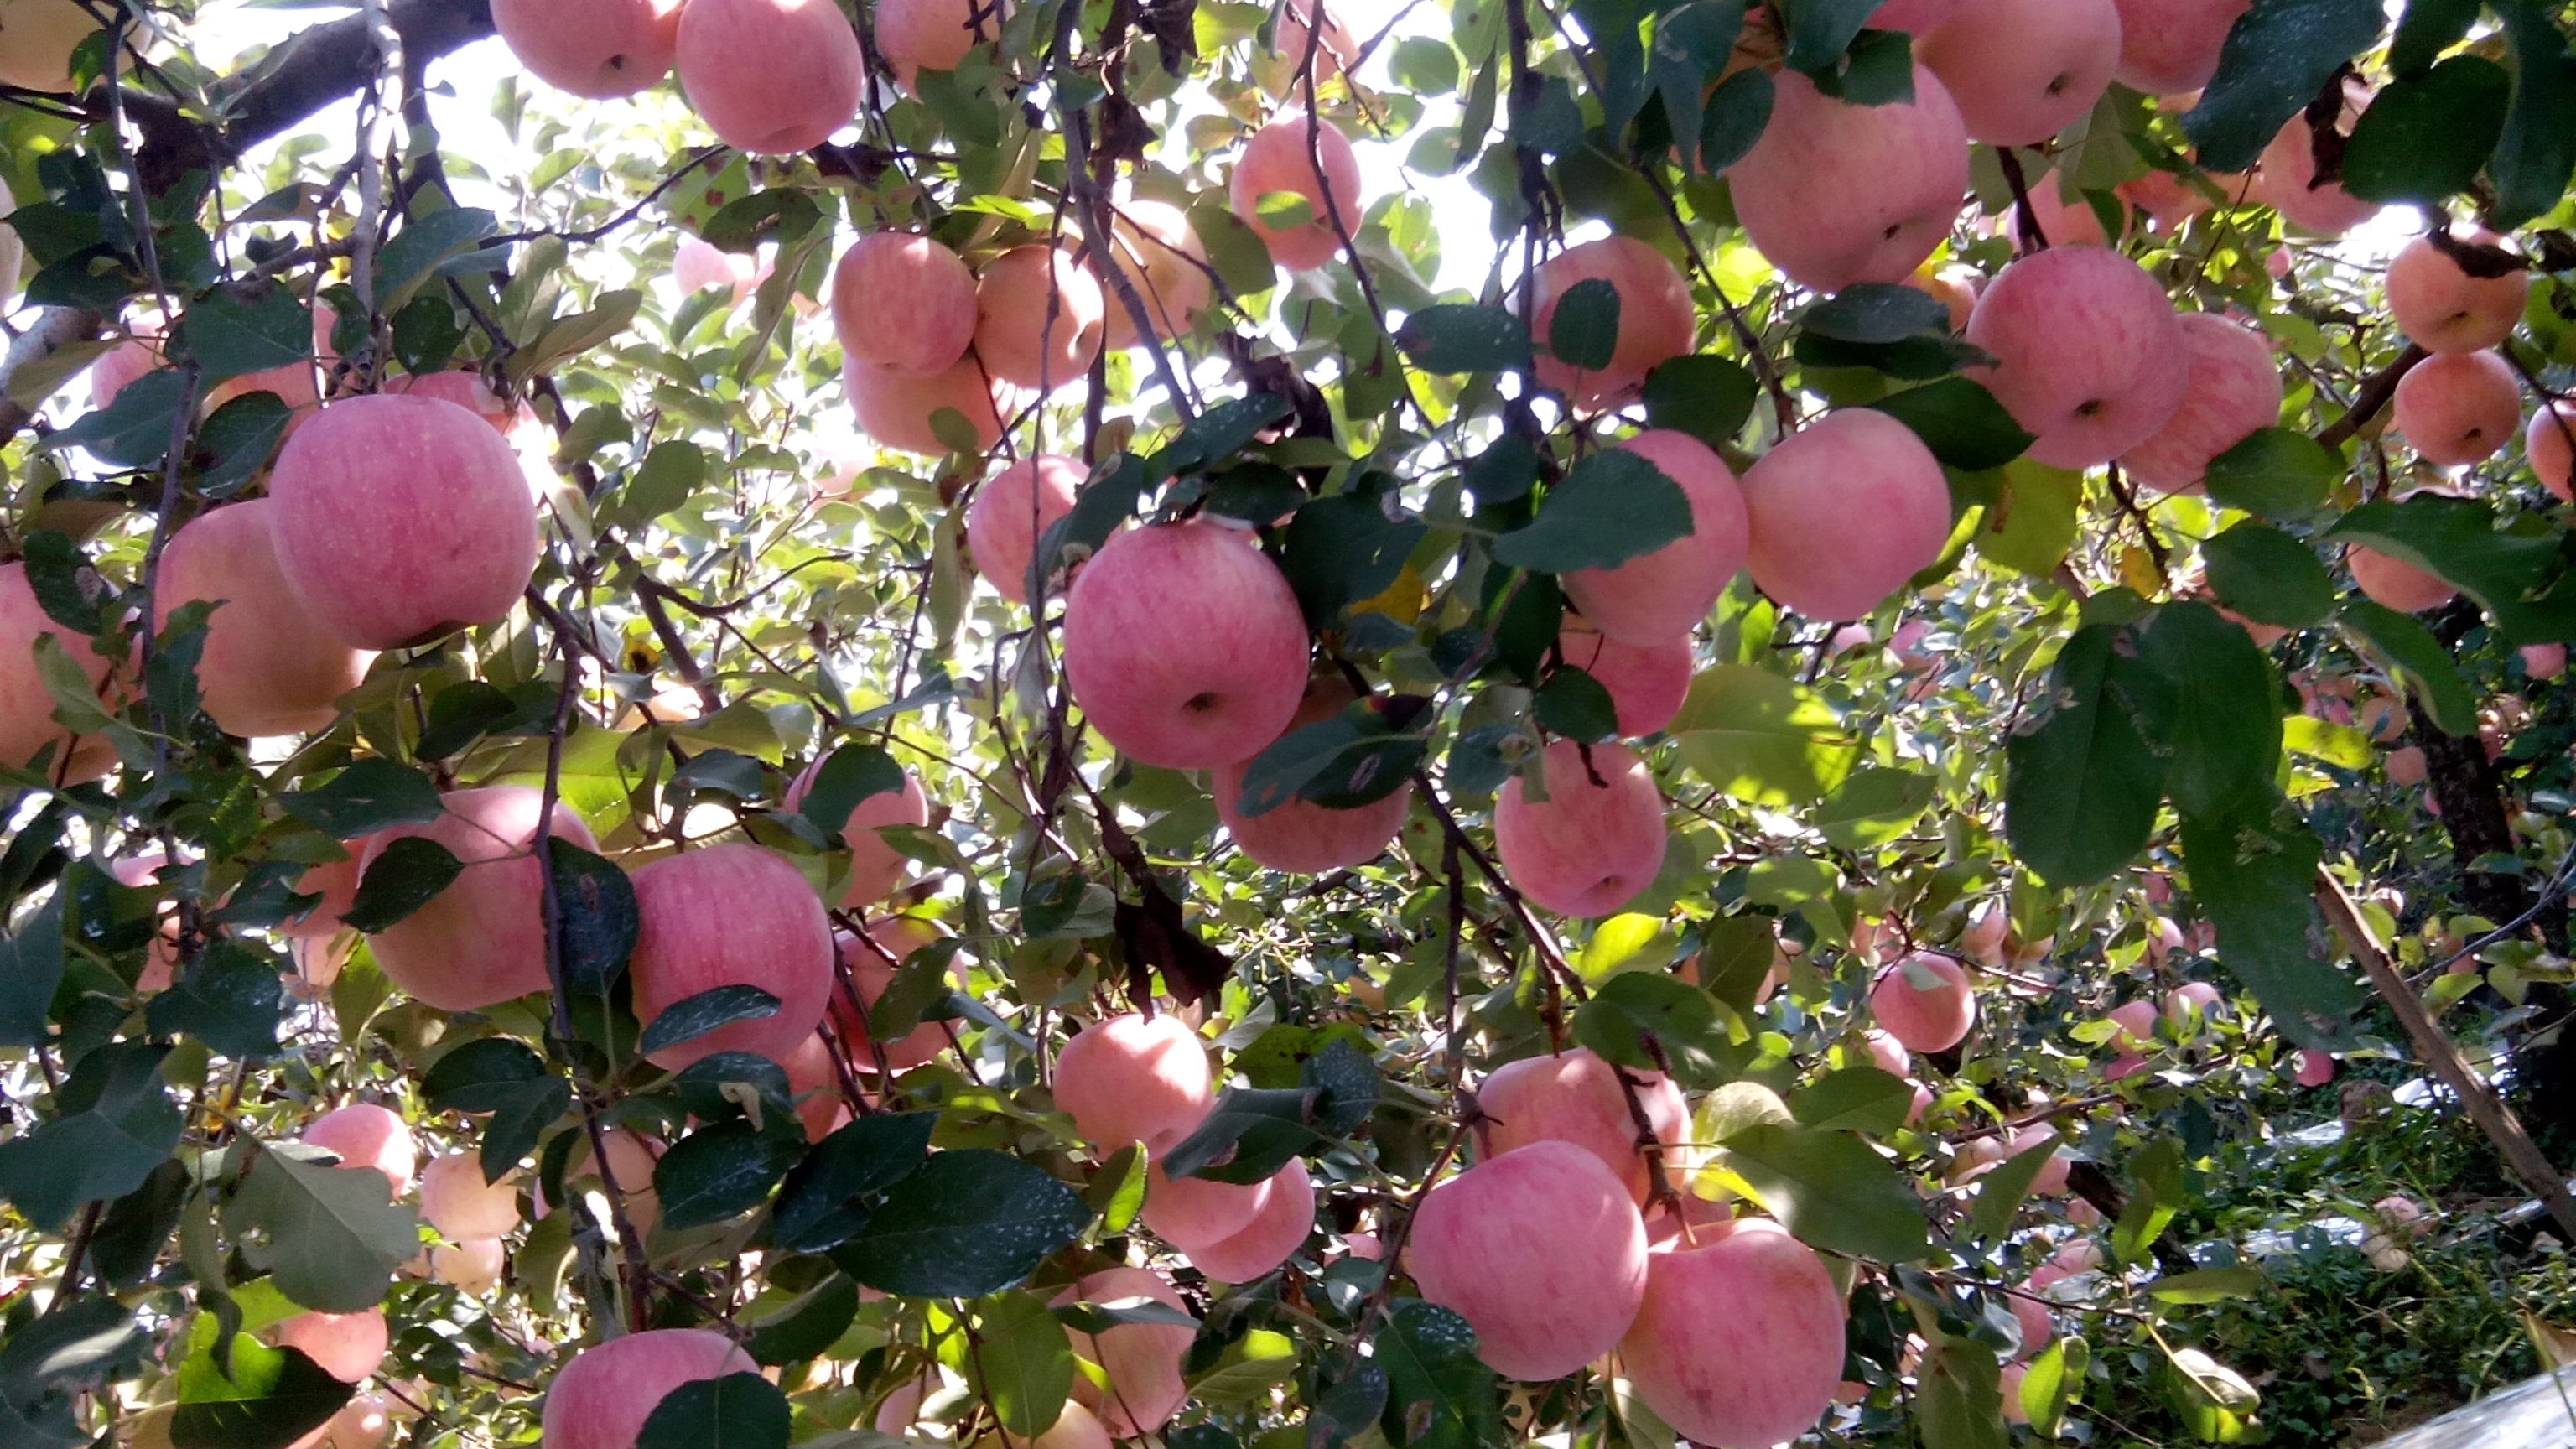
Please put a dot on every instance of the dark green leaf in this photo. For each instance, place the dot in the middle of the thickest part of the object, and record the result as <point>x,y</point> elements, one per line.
<point>416,252</point>
<point>1249,1134</point>
<point>1872,805</point>
<point>135,1227</point>
<point>721,1172</point>
<point>1353,759</point>
<point>2217,722</point>
<point>1703,394</point>
<point>1733,118</point>
<point>2510,570</point>
<point>230,337</point>
<point>481,1076</point>
<point>2277,57</point>
<point>1877,71</point>
<point>1572,703</point>
<point>2268,576</point>
<point>1348,1080</point>
<point>112,1123</point>
<point>863,1157</point>
<point>170,680</point>
<point>1439,1395</point>
<point>970,1222</point>
<point>1959,1397</point>
<point>31,966</point>
<point>229,998</point>
<point>694,1016</point>
<point>597,921</point>
<point>1348,547</point>
<point>2538,150</point>
<point>334,1237</point>
<point>2255,874</point>
<point>2155,1195</point>
<point>1457,337</point>
<point>67,587</point>
<point>1854,1099</point>
<point>1215,435</point>
<point>1508,468</point>
<point>2430,674</point>
<point>273,1397</point>
<point>238,440</point>
<point>2425,137</point>
<point>47,1362</point>
<point>1104,503</point>
<point>806,1327</point>
<point>408,873</point>
<point>1611,507</point>
<point>1831,1190</point>
<point>712,1088</point>
<point>2428,28</point>
<point>426,333</point>
<point>779,214</point>
<point>2001,1190</point>
<point>665,479</point>
<point>1875,312</point>
<point>1022,1365</point>
<point>1960,421</point>
<point>371,795</point>
<point>1637,1008</point>
<point>1348,1405</point>
<point>1821,30</point>
<point>1257,493</point>
<point>738,1411</point>
<point>2081,790</point>
<point>134,430</point>
<point>1584,331</point>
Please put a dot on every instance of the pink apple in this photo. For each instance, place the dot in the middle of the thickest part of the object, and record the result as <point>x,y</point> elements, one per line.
<point>1075,1427</point>
<point>1647,682</point>
<point>2313,1068</point>
<point>904,303</point>
<point>2285,177</point>
<point>2231,390</point>
<point>919,35</point>
<point>821,1105</point>
<point>348,1346</point>
<point>1955,288</point>
<point>2405,766</point>
<point>1276,1232</point>
<point>601,49</point>
<point>1284,67</point>
<point>697,265</point>
<point>1142,1360</point>
<point>2441,308</point>
<point>1575,1097</point>
<point>2066,218</point>
<point>872,969</point>
<point>2037,1326</point>
<point>1012,511</point>
<point>460,1204</point>
<point>876,867</point>
<point>2395,583</point>
<point>2136,1021</point>
<point>1300,836</point>
<point>1917,16</point>
<point>1887,1053</point>
<point>119,365</point>
<point>2550,444</point>
<point>2051,1181</point>
<point>2170,201</point>
<point>897,408</point>
<point>482,940</point>
<point>2171,46</point>
<point>472,1267</point>
<point>1192,1213</point>
<point>268,668</point>
<point>1739,1341</point>
<point>1658,597</point>
<point>1931,1017</point>
<point>601,1399</point>
<point>1843,512</point>
<point>2457,408</point>
<point>1164,261</point>
<point>26,710</point>
<point>1595,842</point>
<point>1038,315</point>
<point>2089,354</point>
<point>364,1135</point>
<point>1134,1079</point>
<point>731,914</point>
<point>2024,70</point>
<point>772,77</point>
<point>1836,193</point>
<point>1540,1250</point>
<point>466,388</point>
<point>1184,645</point>
<point>1656,321</point>
<point>2544,661</point>
<point>1296,153</point>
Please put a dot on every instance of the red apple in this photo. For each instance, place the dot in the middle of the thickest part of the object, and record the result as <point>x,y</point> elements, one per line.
<point>2168,47</point>
<point>268,668</point>
<point>1917,16</point>
<point>472,1267</point>
<point>482,940</point>
<point>904,303</point>
<point>1588,848</point>
<point>1575,1097</point>
<point>2169,201</point>
<point>1012,511</point>
<point>1738,1341</point>
<point>364,1135</point>
<point>1142,1360</point>
<point>1540,1250</point>
<point>1926,1018</point>
<point>1836,193</point>
<point>1658,597</point>
<point>2066,218</point>
<point>1192,1213</point>
<point>461,1205</point>
<point>1285,1219</point>
<point>2024,70</point>
<point>2285,177</point>
<point>119,365</point>
<point>348,1346</point>
<point>601,49</point>
<point>876,867</point>
<point>464,387</point>
<point>2406,766</point>
<point>1647,682</point>
<point>1134,1079</point>
<point>2550,443</point>
<point>896,408</point>
<point>1038,315</point>
<point>2395,583</point>
<point>821,1106</point>
<point>1312,158</point>
<point>1165,262</point>
<point>1300,836</point>
<point>2089,354</point>
<point>1843,512</point>
<point>1656,322</point>
<point>2457,408</point>
<point>601,1398</point>
<point>26,710</point>
<point>731,914</point>
<point>772,77</point>
<point>2441,308</point>
<point>2037,1327</point>
<point>2231,390</point>
<point>336,882</point>
<point>919,35</point>
<point>2313,1068</point>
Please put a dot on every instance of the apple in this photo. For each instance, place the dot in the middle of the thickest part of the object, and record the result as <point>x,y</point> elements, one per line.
<point>1917,16</point>
<point>482,940</point>
<point>2037,1326</point>
<point>2395,583</point>
<point>1283,68</point>
<point>2285,176</point>
<point>1575,1097</point>
<point>2168,47</point>
<point>1300,836</point>
<point>2024,70</point>
<point>896,408</point>
<point>816,1088</point>
<point>1836,193</point>
<point>1012,511</point>
<point>2441,308</point>
<point>348,1346</point>
<point>697,265</point>
<point>461,1205</point>
<point>1134,1079</point>
<point>2313,1068</point>
<point>27,725</point>
<point>2169,200</point>
<point>2192,1003</point>
<point>1955,288</point>
<point>731,914</point>
<point>1276,1232</point>
<point>876,867</point>
<point>870,972</point>
<point>2544,661</point>
<point>2051,1181</point>
<point>2457,408</point>
<point>1192,1213</point>
<point>2090,356</point>
<point>1974,1159</point>
<point>2066,218</point>
<point>1540,1250</point>
<point>399,520</point>
<point>600,49</point>
<point>364,1135</point>
<point>364,1422</point>
<point>1739,1340</point>
<point>1038,315</point>
<point>772,77</point>
<point>1142,1360</point>
<point>2136,1021</point>
<point>1660,596</point>
<point>267,667</point>
<point>336,881</point>
<point>1308,156</point>
<point>2405,766</point>
<point>1589,847</point>
<point>2550,444</point>
<point>601,1399</point>
<point>1647,682</point>
<point>1656,321</point>
<point>1887,1053</point>
<point>919,35</point>
<point>37,38</point>
<point>1164,261</point>
<point>904,303</point>
<point>1184,645</point>
<point>120,364</point>
<point>1075,1427</point>
<point>2231,390</point>
<point>1926,1018</point>
<point>1843,512</point>
<point>464,387</point>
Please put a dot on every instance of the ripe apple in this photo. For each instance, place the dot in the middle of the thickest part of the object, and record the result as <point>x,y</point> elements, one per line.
<point>2441,308</point>
<point>2169,201</point>
<point>1658,597</point>
<point>2406,766</point>
<point>870,971</point>
<point>2544,661</point>
<point>1192,1213</point>
<point>876,868</point>
<point>1836,193</point>
<point>697,265</point>
<point>1038,315</point>
<point>1739,1340</point>
<point>37,38</point>
<point>1575,1097</point>
<point>1931,1018</point>
<point>772,77</point>
<point>1184,645</point>
<point>1887,1053</point>
<point>1300,836</point>
<point>2168,47</point>
<point>896,408</point>
<point>268,667</point>
<point>1843,512</point>
<point>2457,408</point>
<point>363,1134</point>
<point>1282,69</point>
<point>464,387</point>
<point>601,49</point>
<point>26,710</point>
<point>2024,70</point>
<point>919,35</point>
<point>816,1087</point>
<point>1588,848</point>
<point>2231,390</point>
<point>399,520</point>
<point>904,303</point>
<point>1281,1226</point>
<point>348,1346</point>
<point>1955,288</point>
<point>1012,511</point>
<point>1142,1360</point>
<point>1917,16</point>
<point>1134,1079</point>
<point>1656,322</point>
<point>2066,218</point>
<point>364,1422</point>
<point>2550,444</point>
<point>2051,1181</point>
<point>601,1398</point>
<point>731,914</point>
<point>2089,354</point>
<point>121,364</point>
<point>1312,158</point>
<point>2285,176</point>
<point>2192,1003</point>
<point>2037,1326</point>
<point>1540,1250</point>
<point>482,940</point>
<point>2313,1068</point>
<point>1164,261</point>
<point>461,1205</point>
<point>1647,682</point>
<point>336,882</point>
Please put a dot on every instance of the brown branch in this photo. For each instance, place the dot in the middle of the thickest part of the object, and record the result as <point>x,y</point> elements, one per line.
<point>330,61</point>
<point>55,329</point>
<point>2375,392</point>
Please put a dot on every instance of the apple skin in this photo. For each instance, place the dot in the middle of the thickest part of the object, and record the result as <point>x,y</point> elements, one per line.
<point>472,1267</point>
<point>816,1087</point>
<point>461,1205</point>
<point>731,914</point>
<point>1142,1360</point>
<point>904,303</point>
<point>267,669</point>
<point>1843,512</point>
<point>1662,596</point>
<point>895,408</point>
<point>26,710</point>
<point>366,1136</point>
<point>2406,766</point>
<point>772,77</point>
<point>919,35</point>
<point>1647,682</point>
<point>1012,511</point>
<point>1165,261</point>
<point>2285,174</point>
<point>1836,193</point>
<point>2231,390</point>
<point>464,387</point>
<point>2550,444</point>
<point>871,973</point>
<point>337,883</point>
<point>1284,156</point>
<point>1656,321</point>
<point>2066,218</point>
<point>1134,1079</point>
<point>1285,1220</point>
<point>1738,1341</point>
<point>2090,356</point>
<point>120,365</point>
<point>1925,1021</point>
<point>483,939</point>
<point>2168,47</point>
<point>600,49</point>
<point>2024,70</point>
<point>876,868</point>
<point>1540,1250</point>
<point>1575,1097</point>
<point>1193,1213</point>
<point>2443,309</point>
<point>1917,16</point>
<point>1038,316</point>
<point>2191,1003</point>
<point>2313,1068</point>
<point>1300,836</point>
<point>399,520</point>
<point>37,38</point>
<point>601,1399</point>
<point>2169,201</point>
<point>2037,1326</point>
<point>1184,645</point>
<point>2544,661</point>
<point>348,1346</point>
<point>2457,408</point>
<point>1587,849</point>
<point>2394,583</point>
<point>2051,1181</point>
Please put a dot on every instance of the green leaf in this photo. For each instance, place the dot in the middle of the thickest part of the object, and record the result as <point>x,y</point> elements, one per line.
<point>806,1327</point>
<point>969,1223</point>
<point>2000,1192</point>
<point>31,966</point>
<point>334,1236</point>
<point>2050,1385</point>
<point>49,1362</point>
<point>1105,502</point>
<point>664,480</point>
<point>371,795</point>
<point>721,1172</point>
<point>2276,473</point>
<point>426,243</point>
<point>597,920</point>
<point>694,1016</point>
<point>1873,806</point>
<point>1634,1008</point>
<point>133,431</point>
<point>1424,65</point>
<point>2537,152</point>
<point>2209,1285</point>
<point>1960,421</point>
<point>1342,763</point>
<point>2155,1195</point>
<point>1821,30</point>
<point>737,1411</point>
<point>271,1398</point>
<point>1348,546</point>
<point>2217,719</point>
<point>1117,1191</point>
<point>1439,1394</point>
<point>1702,394</point>
<point>1249,1134</point>
<point>2430,675</point>
<point>1853,1099</point>
<point>113,1123</point>
<point>2428,28</point>
<point>1832,1190</point>
<point>232,337</point>
<point>2425,137</point>
<point>1572,703</point>
<point>566,338</point>
<point>1878,70</point>
<point>2254,876</point>
<point>67,587</point>
<point>1958,1397</point>
<point>1584,331</point>
<point>1735,957</point>
<point>779,214</point>
<point>2081,788</point>
<point>1457,337</point>
<point>408,873</point>
<point>136,1227</point>
<point>2269,577</point>
<point>237,441</point>
<point>2030,527</point>
<point>2279,55</point>
<point>1875,313</point>
<point>2513,572</point>
<point>230,998</point>
<point>1022,1362</point>
<point>1761,738</point>
<point>1734,117</point>
<point>507,1080</point>
<point>859,1159</point>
